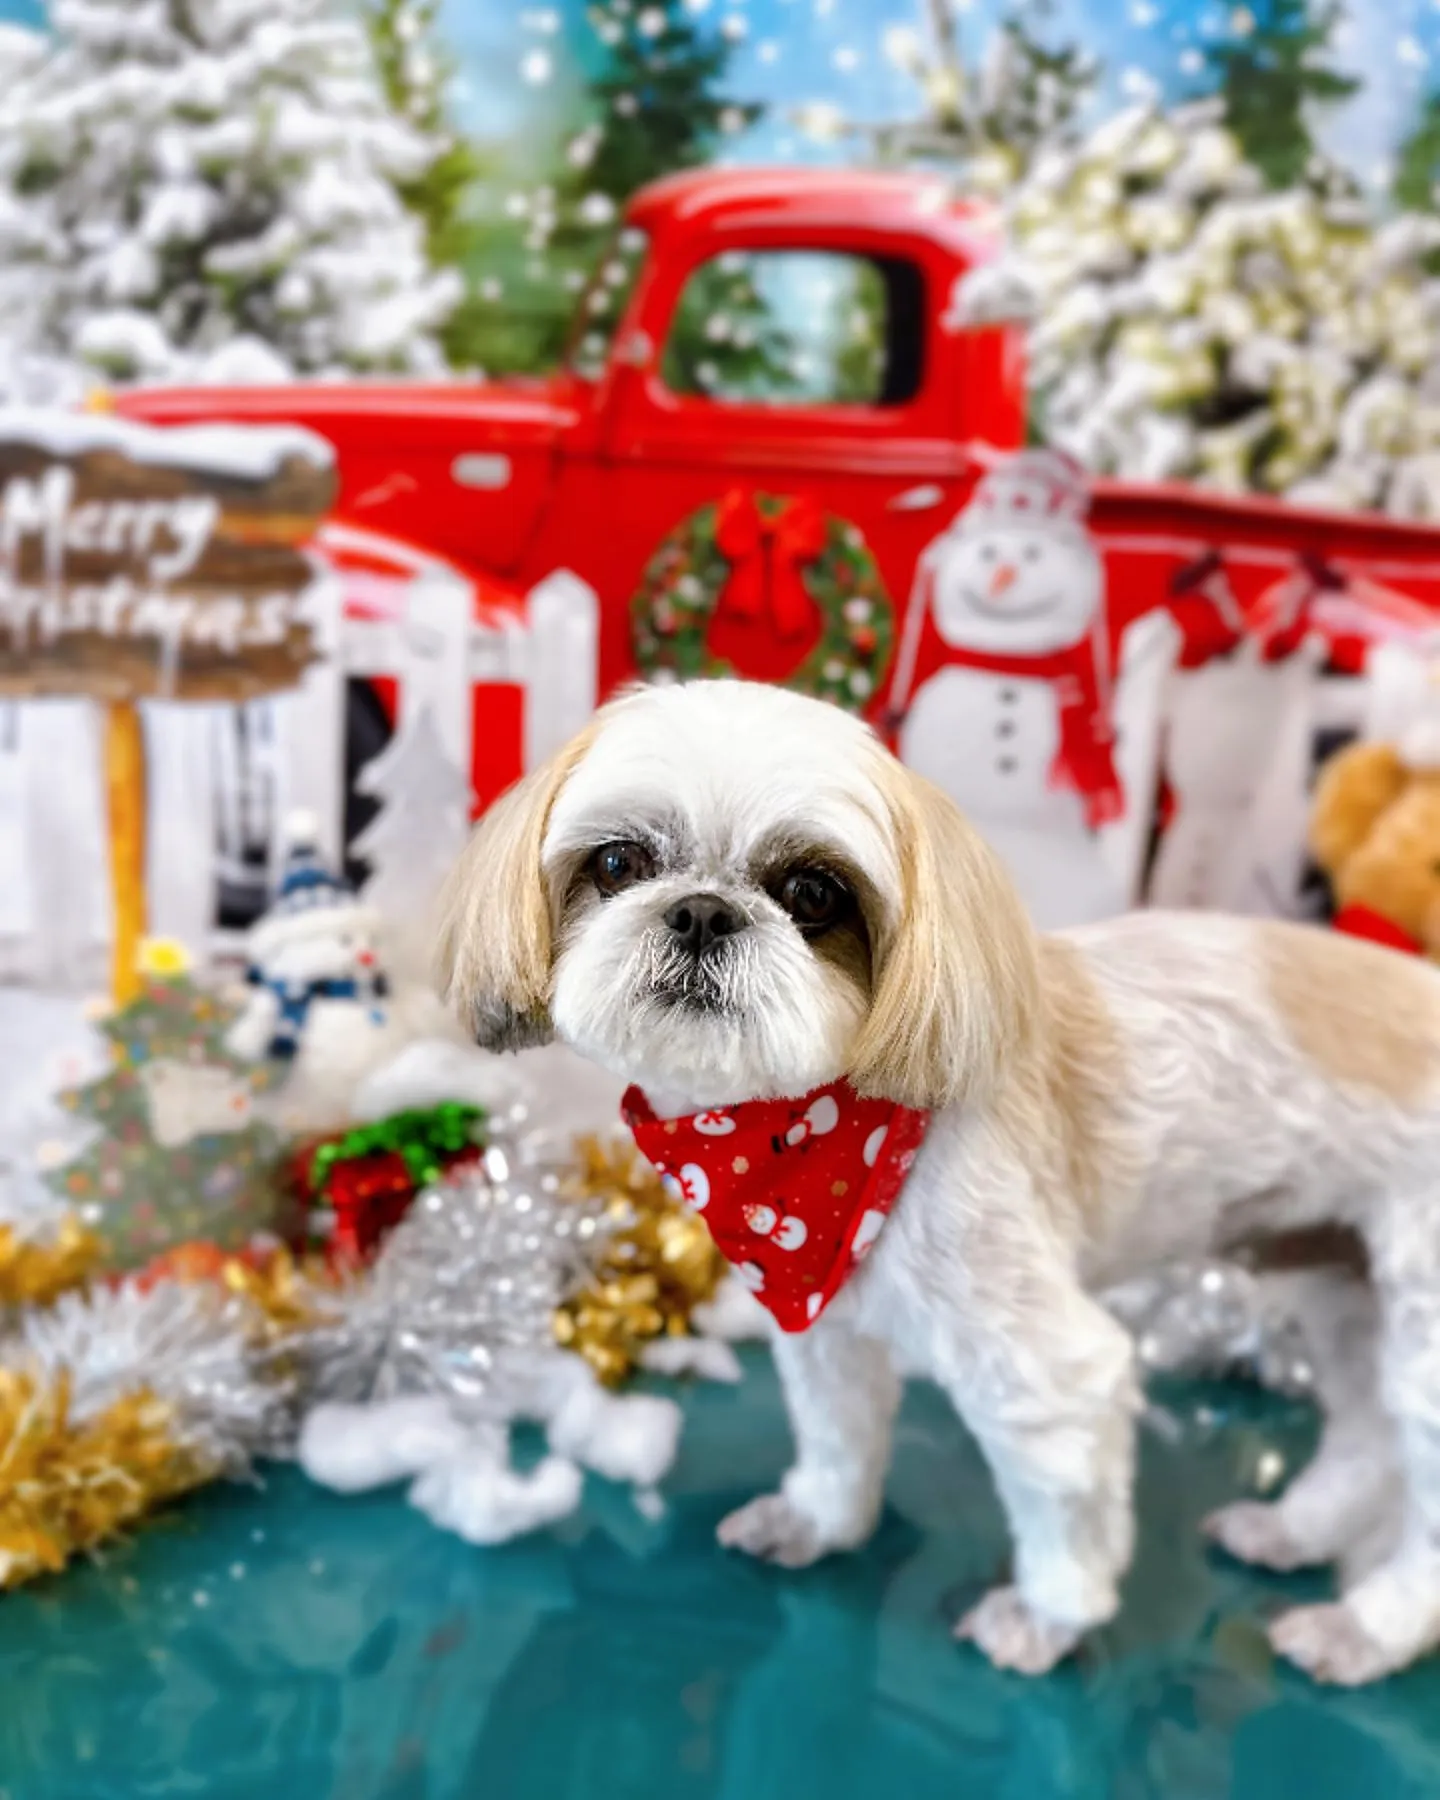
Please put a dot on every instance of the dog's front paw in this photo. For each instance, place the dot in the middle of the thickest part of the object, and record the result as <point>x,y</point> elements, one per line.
<point>1015,1637</point>
<point>775,1529</point>
<point>1255,1532</point>
<point>1330,1644</point>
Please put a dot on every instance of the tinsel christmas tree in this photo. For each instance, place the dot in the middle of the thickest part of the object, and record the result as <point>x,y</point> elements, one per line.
<point>178,1151</point>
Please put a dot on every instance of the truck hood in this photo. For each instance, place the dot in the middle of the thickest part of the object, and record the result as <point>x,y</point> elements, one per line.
<point>513,413</point>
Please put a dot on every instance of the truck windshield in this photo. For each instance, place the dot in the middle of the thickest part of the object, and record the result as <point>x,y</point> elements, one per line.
<point>603,303</point>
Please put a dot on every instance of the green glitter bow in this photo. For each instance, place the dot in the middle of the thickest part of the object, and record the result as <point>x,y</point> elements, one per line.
<point>421,1138</point>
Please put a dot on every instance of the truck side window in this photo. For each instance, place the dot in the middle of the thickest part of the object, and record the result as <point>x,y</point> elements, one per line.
<point>798,328</point>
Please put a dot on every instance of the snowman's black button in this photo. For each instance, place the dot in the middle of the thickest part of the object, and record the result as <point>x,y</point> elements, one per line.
<point>1006,728</point>
<point>1006,765</point>
<point>1007,696</point>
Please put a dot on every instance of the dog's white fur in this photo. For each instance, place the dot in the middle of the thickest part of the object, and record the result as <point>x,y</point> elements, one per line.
<point>1157,1086</point>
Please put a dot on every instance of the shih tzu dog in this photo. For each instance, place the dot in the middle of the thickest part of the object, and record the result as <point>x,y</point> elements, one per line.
<point>917,1128</point>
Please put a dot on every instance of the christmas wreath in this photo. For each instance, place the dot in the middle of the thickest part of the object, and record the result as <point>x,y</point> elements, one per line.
<point>768,586</point>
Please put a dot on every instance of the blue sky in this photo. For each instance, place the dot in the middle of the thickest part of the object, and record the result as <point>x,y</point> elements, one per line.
<point>792,51</point>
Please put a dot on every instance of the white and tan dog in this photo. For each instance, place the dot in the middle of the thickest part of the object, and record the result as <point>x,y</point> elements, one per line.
<point>1153,1087</point>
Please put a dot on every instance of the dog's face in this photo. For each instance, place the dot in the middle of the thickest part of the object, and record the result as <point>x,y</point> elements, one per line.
<point>726,892</point>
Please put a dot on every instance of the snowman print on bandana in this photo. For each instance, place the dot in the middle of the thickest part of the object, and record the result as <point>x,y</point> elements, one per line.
<point>794,1192</point>
<point>817,1120</point>
<point>1015,723</point>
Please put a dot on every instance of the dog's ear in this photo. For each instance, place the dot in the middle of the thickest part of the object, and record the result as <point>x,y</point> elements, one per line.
<point>496,946</point>
<point>957,972</point>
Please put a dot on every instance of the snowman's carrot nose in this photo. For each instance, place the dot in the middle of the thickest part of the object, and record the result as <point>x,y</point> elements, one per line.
<point>1003,578</point>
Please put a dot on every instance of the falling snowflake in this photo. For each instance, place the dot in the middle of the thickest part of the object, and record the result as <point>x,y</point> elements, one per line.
<point>491,288</point>
<point>536,67</point>
<point>734,28</point>
<point>626,105</point>
<point>732,119</point>
<point>651,22</point>
<point>596,209</point>
<point>1242,21</point>
<point>846,58</point>
<point>902,46</point>
<point>1137,84</point>
<point>769,51</point>
<point>580,151</point>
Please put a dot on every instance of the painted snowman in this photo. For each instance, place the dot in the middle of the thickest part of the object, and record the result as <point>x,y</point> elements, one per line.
<point>318,999</point>
<point>1015,726</point>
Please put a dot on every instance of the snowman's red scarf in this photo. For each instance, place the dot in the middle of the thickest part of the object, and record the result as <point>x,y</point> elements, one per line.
<point>794,1191</point>
<point>1085,759</point>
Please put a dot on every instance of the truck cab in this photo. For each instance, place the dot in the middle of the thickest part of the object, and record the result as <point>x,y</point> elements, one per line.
<point>787,332</point>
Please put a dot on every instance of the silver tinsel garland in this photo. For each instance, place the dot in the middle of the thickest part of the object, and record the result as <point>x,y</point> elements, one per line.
<point>1215,1318</point>
<point>473,1273</point>
<point>191,1344</point>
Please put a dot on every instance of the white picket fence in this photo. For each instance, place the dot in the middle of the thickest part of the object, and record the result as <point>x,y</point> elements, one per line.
<point>54,882</point>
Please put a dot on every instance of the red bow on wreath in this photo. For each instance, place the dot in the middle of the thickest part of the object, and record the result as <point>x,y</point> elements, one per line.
<point>767,552</point>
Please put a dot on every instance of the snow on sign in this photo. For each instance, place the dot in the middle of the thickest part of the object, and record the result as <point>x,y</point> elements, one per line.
<point>138,561</point>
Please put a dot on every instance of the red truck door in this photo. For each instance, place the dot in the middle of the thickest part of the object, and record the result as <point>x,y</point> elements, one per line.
<point>784,430</point>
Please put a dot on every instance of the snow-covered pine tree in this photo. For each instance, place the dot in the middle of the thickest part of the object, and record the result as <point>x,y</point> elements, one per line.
<point>416,72</point>
<point>1190,323</point>
<point>985,116</point>
<point>209,188</point>
<point>412,843</point>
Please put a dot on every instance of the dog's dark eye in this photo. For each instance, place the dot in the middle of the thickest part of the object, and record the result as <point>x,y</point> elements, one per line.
<point>615,867</point>
<point>814,899</point>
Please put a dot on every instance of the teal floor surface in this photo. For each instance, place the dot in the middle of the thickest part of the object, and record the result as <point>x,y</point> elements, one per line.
<point>289,1645</point>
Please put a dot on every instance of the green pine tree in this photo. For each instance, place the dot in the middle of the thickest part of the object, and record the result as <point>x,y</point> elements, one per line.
<point>1271,72</point>
<point>658,105</point>
<point>143,1179</point>
<point>1417,169</point>
<point>416,73</point>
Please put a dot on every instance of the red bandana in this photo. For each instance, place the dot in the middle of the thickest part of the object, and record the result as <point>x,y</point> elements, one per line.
<point>794,1191</point>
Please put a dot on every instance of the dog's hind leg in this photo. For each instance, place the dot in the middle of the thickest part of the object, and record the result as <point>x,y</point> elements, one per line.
<point>1340,1498</point>
<point>1391,1615</point>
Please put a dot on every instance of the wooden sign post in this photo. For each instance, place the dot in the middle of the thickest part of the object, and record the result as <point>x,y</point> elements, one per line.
<point>140,563</point>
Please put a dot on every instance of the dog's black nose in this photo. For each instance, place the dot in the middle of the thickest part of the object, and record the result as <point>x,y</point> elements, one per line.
<point>700,919</point>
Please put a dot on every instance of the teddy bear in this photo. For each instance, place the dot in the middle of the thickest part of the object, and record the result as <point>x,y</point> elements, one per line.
<point>1375,831</point>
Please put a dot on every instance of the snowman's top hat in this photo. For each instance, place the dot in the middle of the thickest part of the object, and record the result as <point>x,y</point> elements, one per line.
<point>1041,488</point>
<point>305,882</point>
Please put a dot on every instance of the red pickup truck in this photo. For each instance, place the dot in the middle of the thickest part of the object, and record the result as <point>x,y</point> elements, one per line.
<point>778,447</point>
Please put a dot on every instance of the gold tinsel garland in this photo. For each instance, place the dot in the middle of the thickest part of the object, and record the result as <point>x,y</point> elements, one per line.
<point>36,1272</point>
<point>658,1264</point>
<point>66,1486</point>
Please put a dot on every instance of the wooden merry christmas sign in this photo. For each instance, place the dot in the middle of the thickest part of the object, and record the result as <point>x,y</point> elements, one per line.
<point>138,562</point>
